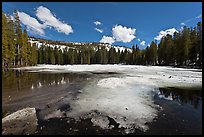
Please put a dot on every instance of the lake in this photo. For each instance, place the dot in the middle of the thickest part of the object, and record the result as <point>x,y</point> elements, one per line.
<point>126,100</point>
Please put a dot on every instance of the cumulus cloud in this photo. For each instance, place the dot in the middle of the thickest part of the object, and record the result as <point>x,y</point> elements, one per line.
<point>142,43</point>
<point>123,34</point>
<point>31,23</point>
<point>107,39</point>
<point>138,39</point>
<point>99,30</point>
<point>45,15</point>
<point>164,33</point>
<point>97,23</point>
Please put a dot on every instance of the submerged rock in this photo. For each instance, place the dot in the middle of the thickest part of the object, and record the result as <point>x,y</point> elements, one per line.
<point>21,122</point>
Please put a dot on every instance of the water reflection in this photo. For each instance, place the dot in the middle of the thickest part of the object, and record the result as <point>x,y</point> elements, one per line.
<point>183,96</point>
<point>19,80</point>
<point>18,85</point>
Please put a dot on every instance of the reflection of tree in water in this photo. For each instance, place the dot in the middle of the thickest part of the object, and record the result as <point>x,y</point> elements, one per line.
<point>184,96</point>
<point>16,79</point>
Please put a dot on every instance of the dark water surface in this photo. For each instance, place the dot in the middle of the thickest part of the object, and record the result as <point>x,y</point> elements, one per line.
<point>23,89</point>
<point>181,114</point>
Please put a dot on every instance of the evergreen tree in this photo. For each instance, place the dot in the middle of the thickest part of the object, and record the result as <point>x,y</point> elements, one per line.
<point>56,55</point>
<point>186,44</point>
<point>60,57</point>
<point>34,55</point>
<point>26,51</point>
<point>152,53</point>
<point>19,38</point>
<point>133,56</point>
<point>11,42</point>
<point>5,49</point>
<point>52,56</point>
<point>41,54</point>
<point>112,55</point>
<point>194,48</point>
<point>137,54</point>
<point>126,56</point>
<point>199,43</point>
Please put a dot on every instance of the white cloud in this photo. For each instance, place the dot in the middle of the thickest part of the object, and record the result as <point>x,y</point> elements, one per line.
<point>183,24</point>
<point>45,15</point>
<point>99,30</point>
<point>200,16</point>
<point>142,43</point>
<point>164,33</point>
<point>123,34</point>
<point>138,39</point>
<point>31,23</point>
<point>97,23</point>
<point>148,45</point>
<point>107,39</point>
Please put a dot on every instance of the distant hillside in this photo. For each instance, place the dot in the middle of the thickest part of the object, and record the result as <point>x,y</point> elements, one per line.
<point>74,45</point>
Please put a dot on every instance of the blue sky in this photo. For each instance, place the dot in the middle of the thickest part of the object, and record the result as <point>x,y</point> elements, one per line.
<point>122,23</point>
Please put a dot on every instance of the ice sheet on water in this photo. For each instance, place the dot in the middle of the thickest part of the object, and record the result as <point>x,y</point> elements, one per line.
<point>161,76</point>
<point>131,106</point>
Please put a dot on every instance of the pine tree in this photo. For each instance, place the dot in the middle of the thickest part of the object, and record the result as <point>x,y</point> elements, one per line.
<point>41,54</point>
<point>56,55</point>
<point>133,55</point>
<point>11,43</point>
<point>26,51</point>
<point>193,48</point>
<point>112,55</point>
<point>152,53</point>
<point>186,44</point>
<point>71,54</point>
<point>5,49</point>
<point>19,38</point>
<point>104,55</point>
<point>60,57</point>
<point>88,55</point>
<point>199,43</point>
<point>126,56</point>
<point>52,56</point>
<point>46,55</point>
<point>34,54</point>
<point>168,53</point>
<point>137,55</point>
<point>147,56</point>
<point>65,56</point>
<point>177,47</point>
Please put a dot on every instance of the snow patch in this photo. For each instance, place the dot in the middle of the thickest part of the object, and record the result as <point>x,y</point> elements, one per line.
<point>130,106</point>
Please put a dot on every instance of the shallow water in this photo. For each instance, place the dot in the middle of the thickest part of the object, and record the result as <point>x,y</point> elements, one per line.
<point>181,111</point>
<point>22,89</point>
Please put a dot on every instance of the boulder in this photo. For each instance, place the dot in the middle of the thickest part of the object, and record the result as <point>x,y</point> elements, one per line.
<point>21,122</point>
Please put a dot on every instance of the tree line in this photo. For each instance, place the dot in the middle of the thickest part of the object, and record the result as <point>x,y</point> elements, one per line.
<point>16,50</point>
<point>184,48</point>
